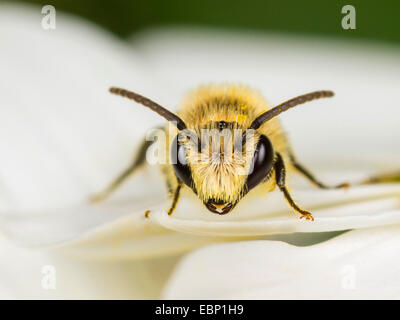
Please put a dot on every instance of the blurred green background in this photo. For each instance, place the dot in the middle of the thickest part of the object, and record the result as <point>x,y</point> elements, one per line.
<point>376,20</point>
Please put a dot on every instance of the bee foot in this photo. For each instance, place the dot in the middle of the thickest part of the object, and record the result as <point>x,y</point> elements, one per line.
<point>345,185</point>
<point>308,216</point>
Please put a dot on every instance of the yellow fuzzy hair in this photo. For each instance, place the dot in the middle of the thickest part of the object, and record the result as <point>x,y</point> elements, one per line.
<point>208,104</point>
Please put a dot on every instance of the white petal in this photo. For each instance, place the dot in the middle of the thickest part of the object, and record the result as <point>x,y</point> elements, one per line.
<point>30,274</point>
<point>360,264</point>
<point>63,134</point>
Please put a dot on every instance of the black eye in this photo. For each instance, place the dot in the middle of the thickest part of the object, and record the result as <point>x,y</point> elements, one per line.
<point>179,163</point>
<point>262,162</point>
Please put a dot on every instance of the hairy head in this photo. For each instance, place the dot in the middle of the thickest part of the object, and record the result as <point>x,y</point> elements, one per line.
<point>221,162</point>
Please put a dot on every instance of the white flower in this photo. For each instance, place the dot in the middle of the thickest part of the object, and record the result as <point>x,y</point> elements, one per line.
<point>63,137</point>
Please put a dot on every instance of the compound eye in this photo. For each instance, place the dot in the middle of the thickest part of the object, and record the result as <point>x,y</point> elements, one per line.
<point>262,162</point>
<point>179,163</point>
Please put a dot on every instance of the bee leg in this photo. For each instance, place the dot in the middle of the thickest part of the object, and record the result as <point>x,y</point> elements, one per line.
<point>138,161</point>
<point>383,178</point>
<point>300,168</point>
<point>175,199</point>
<point>147,213</point>
<point>280,175</point>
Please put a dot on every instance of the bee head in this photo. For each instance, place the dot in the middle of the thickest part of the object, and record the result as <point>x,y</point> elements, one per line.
<point>221,163</point>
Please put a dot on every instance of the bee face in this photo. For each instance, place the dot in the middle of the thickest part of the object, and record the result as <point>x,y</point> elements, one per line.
<point>221,163</point>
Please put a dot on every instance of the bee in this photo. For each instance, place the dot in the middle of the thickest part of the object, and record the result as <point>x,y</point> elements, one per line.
<point>255,161</point>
